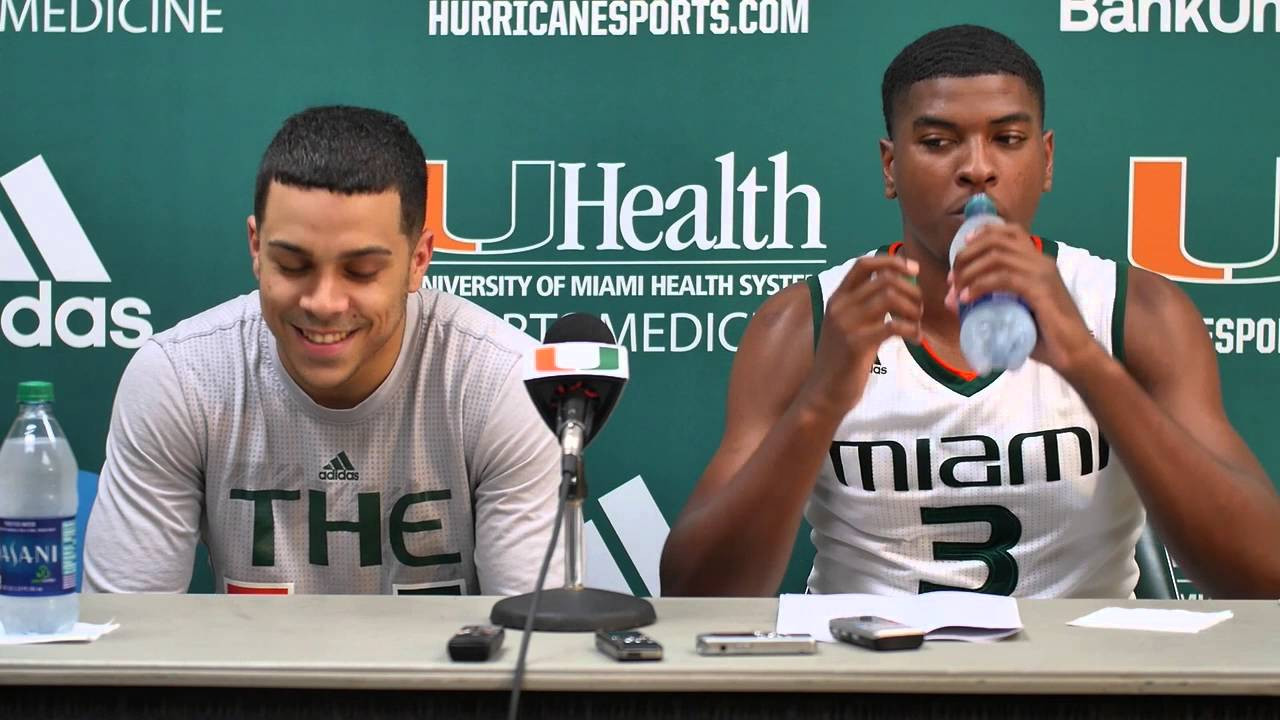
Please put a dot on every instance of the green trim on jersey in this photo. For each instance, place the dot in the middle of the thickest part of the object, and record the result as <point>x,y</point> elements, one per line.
<point>938,371</point>
<point>1119,305</point>
<point>817,309</point>
<point>922,357</point>
<point>945,377</point>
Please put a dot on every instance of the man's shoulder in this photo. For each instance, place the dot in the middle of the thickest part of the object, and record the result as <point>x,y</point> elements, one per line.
<point>232,316</point>
<point>830,278</point>
<point>211,341</point>
<point>195,360</point>
<point>474,358</point>
<point>453,321</point>
<point>1075,257</point>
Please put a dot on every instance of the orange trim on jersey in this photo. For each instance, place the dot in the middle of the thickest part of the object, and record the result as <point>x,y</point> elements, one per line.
<point>962,374</point>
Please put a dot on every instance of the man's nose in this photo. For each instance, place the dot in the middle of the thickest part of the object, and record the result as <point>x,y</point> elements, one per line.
<point>977,170</point>
<point>326,298</point>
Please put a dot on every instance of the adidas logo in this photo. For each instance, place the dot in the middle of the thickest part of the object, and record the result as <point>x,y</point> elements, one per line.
<point>339,468</point>
<point>624,542</point>
<point>70,258</point>
<point>879,368</point>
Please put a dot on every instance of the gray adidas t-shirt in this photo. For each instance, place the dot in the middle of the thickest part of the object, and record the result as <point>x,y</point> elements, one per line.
<point>443,481</point>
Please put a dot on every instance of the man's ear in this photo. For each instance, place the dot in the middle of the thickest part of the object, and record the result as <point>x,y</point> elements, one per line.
<point>255,247</point>
<point>1048,161</point>
<point>420,258</point>
<point>886,168</point>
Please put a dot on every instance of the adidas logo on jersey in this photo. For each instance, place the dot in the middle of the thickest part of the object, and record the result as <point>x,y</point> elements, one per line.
<point>339,468</point>
<point>879,368</point>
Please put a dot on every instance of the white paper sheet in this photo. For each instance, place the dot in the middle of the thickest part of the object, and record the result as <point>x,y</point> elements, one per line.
<point>80,632</point>
<point>1158,620</point>
<point>971,617</point>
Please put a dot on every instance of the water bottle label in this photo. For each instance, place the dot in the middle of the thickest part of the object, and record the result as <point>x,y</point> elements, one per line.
<point>966,308</point>
<point>37,556</point>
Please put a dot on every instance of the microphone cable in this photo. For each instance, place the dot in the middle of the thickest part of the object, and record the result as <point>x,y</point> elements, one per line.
<point>513,709</point>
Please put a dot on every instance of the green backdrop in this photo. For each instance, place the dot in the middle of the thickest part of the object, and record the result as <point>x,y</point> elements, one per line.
<point>153,138</point>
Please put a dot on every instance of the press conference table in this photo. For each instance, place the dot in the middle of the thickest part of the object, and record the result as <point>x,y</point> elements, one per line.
<point>308,655</point>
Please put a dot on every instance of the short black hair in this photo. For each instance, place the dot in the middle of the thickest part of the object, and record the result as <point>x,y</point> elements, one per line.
<point>957,51</point>
<point>351,151</point>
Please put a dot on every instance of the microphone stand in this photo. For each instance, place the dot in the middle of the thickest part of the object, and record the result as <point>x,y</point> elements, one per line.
<point>574,607</point>
<point>574,478</point>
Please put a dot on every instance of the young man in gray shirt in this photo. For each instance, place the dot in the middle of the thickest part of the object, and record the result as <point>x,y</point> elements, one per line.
<point>340,430</point>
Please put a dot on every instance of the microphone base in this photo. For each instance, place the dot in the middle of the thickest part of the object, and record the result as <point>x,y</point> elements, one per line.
<point>575,610</point>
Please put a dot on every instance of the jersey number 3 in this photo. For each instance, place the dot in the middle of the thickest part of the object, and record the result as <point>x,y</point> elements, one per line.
<point>1006,530</point>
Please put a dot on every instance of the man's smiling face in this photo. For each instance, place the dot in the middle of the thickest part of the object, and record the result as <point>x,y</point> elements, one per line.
<point>333,272</point>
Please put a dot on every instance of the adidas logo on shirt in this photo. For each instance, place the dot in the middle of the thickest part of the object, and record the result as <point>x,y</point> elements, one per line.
<point>339,468</point>
<point>879,368</point>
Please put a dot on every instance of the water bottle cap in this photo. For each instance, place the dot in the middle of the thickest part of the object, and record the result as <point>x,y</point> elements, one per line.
<point>35,391</point>
<point>979,204</point>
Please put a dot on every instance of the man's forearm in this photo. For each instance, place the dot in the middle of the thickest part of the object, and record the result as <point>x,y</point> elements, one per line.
<point>1201,506</point>
<point>738,541</point>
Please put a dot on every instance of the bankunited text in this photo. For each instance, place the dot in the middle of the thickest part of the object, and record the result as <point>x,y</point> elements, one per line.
<point>1169,16</point>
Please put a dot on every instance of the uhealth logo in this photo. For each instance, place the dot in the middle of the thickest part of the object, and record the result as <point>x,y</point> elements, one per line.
<point>1157,228</point>
<point>67,253</point>
<point>677,219</point>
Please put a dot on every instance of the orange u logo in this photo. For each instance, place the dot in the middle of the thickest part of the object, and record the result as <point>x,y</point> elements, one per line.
<point>541,173</point>
<point>1157,228</point>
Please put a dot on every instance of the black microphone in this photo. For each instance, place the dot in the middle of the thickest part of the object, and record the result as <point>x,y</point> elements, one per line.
<point>575,379</point>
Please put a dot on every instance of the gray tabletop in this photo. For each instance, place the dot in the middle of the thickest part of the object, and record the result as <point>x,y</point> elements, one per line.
<point>399,642</point>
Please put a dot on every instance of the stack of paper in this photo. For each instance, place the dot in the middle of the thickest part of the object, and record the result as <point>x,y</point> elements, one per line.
<point>1159,620</point>
<point>80,632</point>
<point>973,617</point>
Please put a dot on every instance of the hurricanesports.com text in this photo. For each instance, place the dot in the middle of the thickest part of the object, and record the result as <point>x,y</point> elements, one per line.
<point>542,18</point>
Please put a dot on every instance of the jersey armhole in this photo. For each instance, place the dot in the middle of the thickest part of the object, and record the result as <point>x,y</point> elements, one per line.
<point>1118,310</point>
<point>815,300</point>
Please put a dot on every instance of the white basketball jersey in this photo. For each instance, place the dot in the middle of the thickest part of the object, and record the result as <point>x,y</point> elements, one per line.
<point>1000,484</point>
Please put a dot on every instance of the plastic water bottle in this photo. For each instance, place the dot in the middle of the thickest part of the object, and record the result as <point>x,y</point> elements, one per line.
<point>37,519</point>
<point>997,331</point>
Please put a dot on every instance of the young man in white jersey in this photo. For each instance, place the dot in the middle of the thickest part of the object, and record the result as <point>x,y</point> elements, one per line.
<point>340,430</point>
<point>851,403</point>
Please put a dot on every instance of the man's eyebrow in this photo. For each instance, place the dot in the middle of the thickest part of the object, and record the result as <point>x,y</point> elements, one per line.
<point>364,252</point>
<point>1012,118</point>
<point>933,121</point>
<point>358,252</point>
<point>286,246</point>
